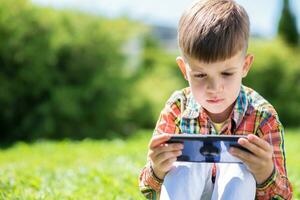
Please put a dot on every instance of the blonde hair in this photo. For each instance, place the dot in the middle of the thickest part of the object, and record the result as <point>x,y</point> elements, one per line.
<point>213,30</point>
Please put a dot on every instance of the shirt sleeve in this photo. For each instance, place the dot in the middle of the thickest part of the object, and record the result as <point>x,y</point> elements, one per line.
<point>277,186</point>
<point>168,122</point>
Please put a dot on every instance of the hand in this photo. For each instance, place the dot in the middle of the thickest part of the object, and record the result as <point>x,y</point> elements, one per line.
<point>260,163</point>
<point>162,155</point>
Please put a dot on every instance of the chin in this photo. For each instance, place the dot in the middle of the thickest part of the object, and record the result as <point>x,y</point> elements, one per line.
<point>216,110</point>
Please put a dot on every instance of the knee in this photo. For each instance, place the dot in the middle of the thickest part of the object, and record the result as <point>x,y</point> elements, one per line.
<point>175,175</point>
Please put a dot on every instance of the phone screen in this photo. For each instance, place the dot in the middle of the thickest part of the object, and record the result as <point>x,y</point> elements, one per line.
<point>207,148</point>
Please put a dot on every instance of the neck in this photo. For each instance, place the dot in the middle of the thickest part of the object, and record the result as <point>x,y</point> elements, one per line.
<point>220,117</point>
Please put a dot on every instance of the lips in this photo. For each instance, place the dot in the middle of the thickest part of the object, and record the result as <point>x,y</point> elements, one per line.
<point>215,100</point>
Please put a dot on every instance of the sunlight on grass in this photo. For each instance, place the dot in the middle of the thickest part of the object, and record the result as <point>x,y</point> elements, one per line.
<point>72,170</point>
<point>292,146</point>
<point>92,169</point>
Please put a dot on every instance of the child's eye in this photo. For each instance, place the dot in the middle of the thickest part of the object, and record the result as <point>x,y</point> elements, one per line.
<point>200,75</point>
<point>227,74</point>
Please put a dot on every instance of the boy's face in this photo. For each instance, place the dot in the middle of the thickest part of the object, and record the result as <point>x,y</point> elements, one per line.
<point>215,86</point>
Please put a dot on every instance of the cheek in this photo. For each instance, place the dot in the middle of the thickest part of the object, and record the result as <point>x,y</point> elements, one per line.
<point>198,86</point>
<point>232,87</point>
<point>233,82</point>
<point>198,91</point>
<point>229,84</point>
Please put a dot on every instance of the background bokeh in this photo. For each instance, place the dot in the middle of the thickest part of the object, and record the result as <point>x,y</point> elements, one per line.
<point>69,73</point>
<point>72,71</point>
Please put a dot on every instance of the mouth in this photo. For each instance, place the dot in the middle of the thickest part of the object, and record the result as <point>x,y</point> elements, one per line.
<point>215,101</point>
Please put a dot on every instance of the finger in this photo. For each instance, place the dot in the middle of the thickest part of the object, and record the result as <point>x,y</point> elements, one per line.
<point>159,139</point>
<point>253,163</point>
<point>153,153</point>
<point>252,147</point>
<point>168,147</point>
<point>259,142</point>
<point>243,155</point>
<point>165,156</point>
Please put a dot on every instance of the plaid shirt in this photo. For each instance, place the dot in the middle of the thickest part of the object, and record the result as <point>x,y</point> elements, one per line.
<point>251,114</point>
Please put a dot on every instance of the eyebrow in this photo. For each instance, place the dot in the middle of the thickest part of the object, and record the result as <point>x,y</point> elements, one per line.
<point>231,68</point>
<point>202,69</point>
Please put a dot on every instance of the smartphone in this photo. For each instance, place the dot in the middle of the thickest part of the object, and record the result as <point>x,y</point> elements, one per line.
<point>208,148</point>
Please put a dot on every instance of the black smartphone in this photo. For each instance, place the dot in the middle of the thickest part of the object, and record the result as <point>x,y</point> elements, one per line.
<point>208,148</point>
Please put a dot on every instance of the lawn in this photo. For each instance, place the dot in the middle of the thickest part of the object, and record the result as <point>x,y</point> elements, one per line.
<point>92,169</point>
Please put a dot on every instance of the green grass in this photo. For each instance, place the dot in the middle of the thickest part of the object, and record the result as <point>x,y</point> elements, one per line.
<point>91,169</point>
<point>292,147</point>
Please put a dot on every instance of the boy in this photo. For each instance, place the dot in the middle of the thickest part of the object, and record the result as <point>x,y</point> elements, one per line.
<point>213,38</point>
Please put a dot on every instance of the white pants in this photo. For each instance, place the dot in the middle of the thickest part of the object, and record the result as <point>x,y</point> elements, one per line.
<point>192,181</point>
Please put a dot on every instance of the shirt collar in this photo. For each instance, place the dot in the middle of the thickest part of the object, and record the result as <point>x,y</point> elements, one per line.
<point>240,107</point>
<point>193,109</point>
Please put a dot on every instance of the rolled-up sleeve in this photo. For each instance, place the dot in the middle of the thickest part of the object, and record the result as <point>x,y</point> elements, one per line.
<point>168,122</point>
<point>277,186</point>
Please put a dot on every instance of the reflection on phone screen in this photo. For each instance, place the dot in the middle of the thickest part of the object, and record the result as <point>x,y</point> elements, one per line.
<point>208,151</point>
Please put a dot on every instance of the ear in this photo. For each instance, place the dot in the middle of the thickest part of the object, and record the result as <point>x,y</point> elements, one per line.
<point>182,66</point>
<point>247,64</point>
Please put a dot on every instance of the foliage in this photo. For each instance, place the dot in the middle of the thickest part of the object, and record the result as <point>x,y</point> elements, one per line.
<point>155,80</point>
<point>91,171</point>
<point>61,74</point>
<point>64,74</point>
<point>288,26</point>
<point>275,74</point>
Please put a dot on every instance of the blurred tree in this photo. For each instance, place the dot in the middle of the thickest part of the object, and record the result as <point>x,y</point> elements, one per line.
<point>155,80</point>
<point>277,78</point>
<point>61,73</point>
<point>287,28</point>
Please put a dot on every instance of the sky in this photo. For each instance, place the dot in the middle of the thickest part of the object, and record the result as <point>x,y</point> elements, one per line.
<point>264,14</point>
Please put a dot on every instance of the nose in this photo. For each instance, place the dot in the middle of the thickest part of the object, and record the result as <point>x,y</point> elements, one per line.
<point>214,86</point>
